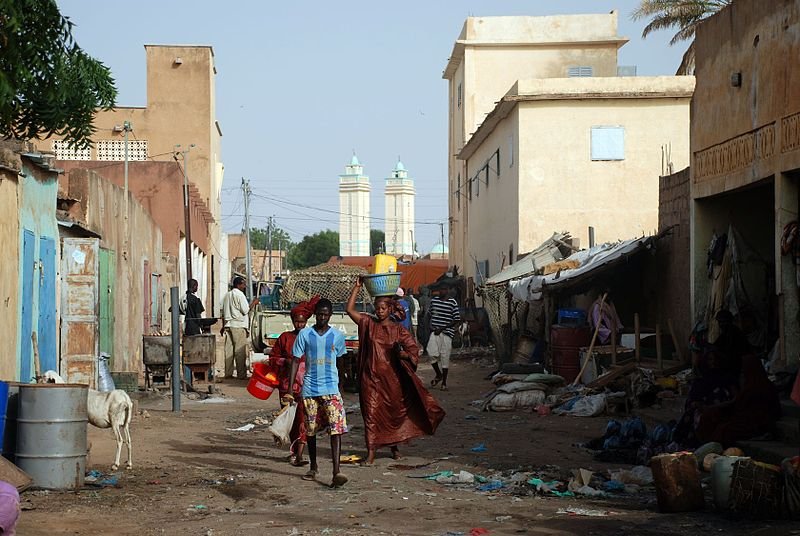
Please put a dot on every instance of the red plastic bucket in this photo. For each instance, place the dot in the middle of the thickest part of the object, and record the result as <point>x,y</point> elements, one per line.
<point>262,382</point>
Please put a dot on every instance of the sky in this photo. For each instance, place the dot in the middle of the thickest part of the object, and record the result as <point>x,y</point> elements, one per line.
<point>303,84</point>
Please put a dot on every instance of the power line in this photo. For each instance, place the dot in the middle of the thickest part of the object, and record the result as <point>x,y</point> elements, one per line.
<point>292,203</point>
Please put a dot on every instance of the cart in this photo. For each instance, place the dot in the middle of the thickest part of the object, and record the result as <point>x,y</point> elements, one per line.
<point>157,356</point>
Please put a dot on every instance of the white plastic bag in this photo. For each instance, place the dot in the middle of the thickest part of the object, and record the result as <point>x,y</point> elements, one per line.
<point>282,424</point>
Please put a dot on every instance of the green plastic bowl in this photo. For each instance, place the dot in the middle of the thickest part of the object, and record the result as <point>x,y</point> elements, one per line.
<point>382,284</point>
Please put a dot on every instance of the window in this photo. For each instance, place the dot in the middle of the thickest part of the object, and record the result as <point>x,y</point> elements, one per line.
<point>497,161</point>
<point>510,151</point>
<point>486,175</point>
<point>608,143</point>
<point>458,96</point>
<point>65,151</point>
<point>580,71</point>
<point>114,150</point>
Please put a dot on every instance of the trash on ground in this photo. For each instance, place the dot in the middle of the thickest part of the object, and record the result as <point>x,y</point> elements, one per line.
<point>553,487</point>
<point>244,428</point>
<point>350,458</point>
<point>582,512</point>
<point>463,477</point>
<point>479,448</point>
<point>492,485</point>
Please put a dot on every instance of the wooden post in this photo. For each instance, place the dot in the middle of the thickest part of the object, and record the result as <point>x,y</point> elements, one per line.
<point>36,366</point>
<point>659,357</point>
<point>637,337</point>
<point>614,344</point>
<point>591,345</point>
<point>678,349</point>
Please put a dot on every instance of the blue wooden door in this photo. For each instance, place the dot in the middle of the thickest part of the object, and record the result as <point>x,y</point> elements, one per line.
<point>26,327</point>
<point>46,329</point>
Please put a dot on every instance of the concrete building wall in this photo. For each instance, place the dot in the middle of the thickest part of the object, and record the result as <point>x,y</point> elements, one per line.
<point>103,207</point>
<point>494,209</point>
<point>543,133</point>
<point>746,132</point>
<point>180,110</point>
<point>158,187</point>
<point>490,55</point>
<point>673,251</point>
<point>9,269</point>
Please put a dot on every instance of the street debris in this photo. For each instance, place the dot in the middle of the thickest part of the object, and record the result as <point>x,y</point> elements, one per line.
<point>572,511</point>
<point>244,428</point>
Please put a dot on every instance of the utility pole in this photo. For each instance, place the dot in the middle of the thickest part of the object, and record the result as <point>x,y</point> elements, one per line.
<point>441,226</point>
<point>126,127</point>
<point>249,258</point>
<point>269,246</point>
<point>186,213</point>
<point>413,249</point>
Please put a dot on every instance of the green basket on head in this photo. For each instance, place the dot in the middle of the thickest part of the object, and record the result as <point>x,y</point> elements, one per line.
<point>382,284</point>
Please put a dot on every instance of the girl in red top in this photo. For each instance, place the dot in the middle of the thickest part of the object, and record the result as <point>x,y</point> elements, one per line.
<point>281,358</point>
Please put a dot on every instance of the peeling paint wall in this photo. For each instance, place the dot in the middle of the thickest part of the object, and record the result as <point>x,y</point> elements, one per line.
<point>134,312</point>
<point>9,273</point>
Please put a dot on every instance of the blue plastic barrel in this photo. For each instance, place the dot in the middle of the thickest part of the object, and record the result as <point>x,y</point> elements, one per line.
<point>3,409</point>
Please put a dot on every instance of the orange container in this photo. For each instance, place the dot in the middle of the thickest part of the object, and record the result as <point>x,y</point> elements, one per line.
<point>262,382</point>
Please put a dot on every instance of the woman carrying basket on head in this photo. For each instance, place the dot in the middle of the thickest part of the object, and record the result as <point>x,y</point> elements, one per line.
<point>281,358</point>
<point>395,405</point>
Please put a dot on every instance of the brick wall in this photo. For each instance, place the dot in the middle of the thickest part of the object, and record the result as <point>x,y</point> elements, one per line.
<point>673,254</point>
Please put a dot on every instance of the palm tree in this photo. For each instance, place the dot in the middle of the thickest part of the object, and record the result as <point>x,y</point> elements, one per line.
<point>686,15</point>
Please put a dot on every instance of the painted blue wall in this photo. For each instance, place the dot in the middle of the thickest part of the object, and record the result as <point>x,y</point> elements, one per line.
<point>38,192</point>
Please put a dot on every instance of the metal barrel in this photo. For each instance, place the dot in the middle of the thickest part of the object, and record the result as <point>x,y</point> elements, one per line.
<point>51,434</point>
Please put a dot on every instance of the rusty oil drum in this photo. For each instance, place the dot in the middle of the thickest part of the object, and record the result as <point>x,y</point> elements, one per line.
<point>565,345</point>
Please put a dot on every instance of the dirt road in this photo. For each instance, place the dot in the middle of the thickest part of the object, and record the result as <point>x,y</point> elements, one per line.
<point>193,476</point>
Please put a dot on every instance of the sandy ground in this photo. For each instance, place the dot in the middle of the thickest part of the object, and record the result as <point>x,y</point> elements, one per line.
<point>193,476</point>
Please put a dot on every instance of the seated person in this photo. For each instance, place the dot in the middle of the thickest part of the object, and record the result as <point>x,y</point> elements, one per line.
<point>752,412</point>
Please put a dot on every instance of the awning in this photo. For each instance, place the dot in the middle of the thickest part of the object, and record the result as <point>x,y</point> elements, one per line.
<point>593,262</point>
<point>545,254</point>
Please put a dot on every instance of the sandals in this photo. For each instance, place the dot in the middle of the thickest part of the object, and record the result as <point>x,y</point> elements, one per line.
<point>435,381</point>
<point>299,463</point>
<point>443,387</point>
<point>339,480</point>
<point>310,475</point>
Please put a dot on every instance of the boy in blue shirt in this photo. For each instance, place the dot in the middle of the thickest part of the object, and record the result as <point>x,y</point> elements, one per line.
<point>324,408</point>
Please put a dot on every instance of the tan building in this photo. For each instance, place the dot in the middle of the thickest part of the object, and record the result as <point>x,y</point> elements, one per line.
<point>545,137</point>
<point>180,110</point>
<point>260,259</point>
<point>746,159</point>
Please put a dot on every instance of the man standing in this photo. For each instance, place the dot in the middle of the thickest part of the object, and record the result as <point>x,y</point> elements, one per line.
<point>324,408</point>
<point>235,326</point>
<point>405,322</point>
<point>193,309</point>
<point>413,304</point>
<point>444,316</point>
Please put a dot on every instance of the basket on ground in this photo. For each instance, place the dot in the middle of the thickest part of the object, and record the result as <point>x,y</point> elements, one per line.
<point>385,284</point>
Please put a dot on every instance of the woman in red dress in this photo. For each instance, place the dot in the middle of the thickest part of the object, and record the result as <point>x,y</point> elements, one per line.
<point>395,405</point>
<point>281,358</point>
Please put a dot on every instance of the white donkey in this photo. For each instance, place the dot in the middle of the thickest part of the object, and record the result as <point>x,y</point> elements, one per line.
<point>113,409</point>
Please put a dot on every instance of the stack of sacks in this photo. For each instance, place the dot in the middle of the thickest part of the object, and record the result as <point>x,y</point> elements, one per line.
<point>520,391</point>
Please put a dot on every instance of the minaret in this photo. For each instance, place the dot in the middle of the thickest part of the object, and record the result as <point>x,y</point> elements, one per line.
<point>354,210</point>
<point>400,233</point>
